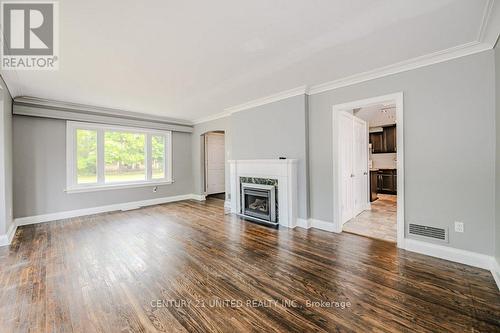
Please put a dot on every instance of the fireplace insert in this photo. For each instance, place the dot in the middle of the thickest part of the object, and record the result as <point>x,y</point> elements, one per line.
<point>259,201</point>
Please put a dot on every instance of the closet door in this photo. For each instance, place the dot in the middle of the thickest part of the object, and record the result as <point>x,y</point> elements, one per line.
<point>346,165</point>
<point>360,165</point>
<point>214,163</point>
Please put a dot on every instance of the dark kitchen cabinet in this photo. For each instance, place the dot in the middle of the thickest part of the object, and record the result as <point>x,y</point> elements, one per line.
<point>390,139</point>
<point>376,139</point>
<point>373,185</point>
<point>384,141</point>
<point>387,181</point>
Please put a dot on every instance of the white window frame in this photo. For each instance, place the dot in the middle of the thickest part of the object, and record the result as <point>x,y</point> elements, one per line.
<point>72,185</point>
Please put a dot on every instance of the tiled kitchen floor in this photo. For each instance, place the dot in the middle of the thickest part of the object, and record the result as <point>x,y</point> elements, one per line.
<point>379,222</point>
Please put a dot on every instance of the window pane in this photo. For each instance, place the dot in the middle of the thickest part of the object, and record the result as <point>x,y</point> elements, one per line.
<point>124,156</point>
<point>158,156</point>
<point>86,156</point>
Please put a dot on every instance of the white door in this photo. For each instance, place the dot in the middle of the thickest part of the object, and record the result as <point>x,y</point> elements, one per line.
<point>353,165</point>
<point>346,160</point>
<point>214,163</point>
<point>360,165</point>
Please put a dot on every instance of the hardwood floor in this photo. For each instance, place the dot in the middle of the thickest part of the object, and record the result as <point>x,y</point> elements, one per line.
<point>380,222</point>
<point>187,267</point>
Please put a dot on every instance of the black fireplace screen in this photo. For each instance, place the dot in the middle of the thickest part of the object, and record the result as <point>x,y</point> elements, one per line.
<point>257,202</point>
<point>260,203</point>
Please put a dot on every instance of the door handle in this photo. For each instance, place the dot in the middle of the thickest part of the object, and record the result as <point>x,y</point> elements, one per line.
<point>365,173</point>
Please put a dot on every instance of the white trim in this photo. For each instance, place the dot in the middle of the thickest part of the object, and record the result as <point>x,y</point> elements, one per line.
<point>486,38</point>
<point>227,204</point>
<point>71,146</point>
<point>399,67</point>
<point>403,66</point>
<point>488,9</point>
<point>449,253</point>
<point>91,110</point>
<point>302,90</point>
<point>212,117</point>
<point>316,224</point>
<point>268,99</point>
<point>7,238</point>
<point>303,223</point>
<point>198,197</point>
<point>396,98</point>
<point>284,171</point>
<point>102,209</point>
<point>495,271</point>
<point>490,25</point>
<point>322,225</point>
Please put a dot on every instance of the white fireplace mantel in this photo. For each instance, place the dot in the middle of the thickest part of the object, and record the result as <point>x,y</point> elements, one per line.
<point>285,171</point>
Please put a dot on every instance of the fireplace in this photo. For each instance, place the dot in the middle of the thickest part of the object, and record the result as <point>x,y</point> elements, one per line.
<point>259,202</point>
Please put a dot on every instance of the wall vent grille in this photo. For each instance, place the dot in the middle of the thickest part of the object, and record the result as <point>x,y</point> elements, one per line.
<point>425,231</point>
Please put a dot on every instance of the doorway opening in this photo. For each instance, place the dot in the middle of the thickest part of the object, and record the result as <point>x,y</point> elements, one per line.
<point>214,164</point>
<point>368,168</point>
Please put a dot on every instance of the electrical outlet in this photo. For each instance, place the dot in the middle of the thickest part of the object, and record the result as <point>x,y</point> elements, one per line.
<point>459,226</point>
<point>155,189</point>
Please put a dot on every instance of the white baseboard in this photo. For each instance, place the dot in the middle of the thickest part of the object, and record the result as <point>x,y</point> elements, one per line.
<point>7,238</point>
<point>317,224</point>
<point>449,253</point>
<point>495,271</point>
<point>303,223</point>
<point>103,209</point>
<point>199,197</point>
<point>227,204</point>
<point>323,225</point>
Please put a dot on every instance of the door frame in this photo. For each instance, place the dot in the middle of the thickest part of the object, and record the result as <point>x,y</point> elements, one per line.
<point>203,159</point>
<point>397,99</point>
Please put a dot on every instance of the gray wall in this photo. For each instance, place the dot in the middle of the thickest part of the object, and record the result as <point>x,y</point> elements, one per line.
<point>6,196</point>
<point>274,130</point>
<point>497,106</point>
<point>449,129</point>
<point>221,124</point>
<point>40,171</point>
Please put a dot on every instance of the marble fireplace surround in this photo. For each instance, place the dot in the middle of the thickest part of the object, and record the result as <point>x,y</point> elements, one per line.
<point>284,171</point>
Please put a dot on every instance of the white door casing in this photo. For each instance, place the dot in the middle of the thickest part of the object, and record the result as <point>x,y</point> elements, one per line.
<point>360,165</point>
<point>214,163</point>
<point>346,165</point>
<point>396,98</point>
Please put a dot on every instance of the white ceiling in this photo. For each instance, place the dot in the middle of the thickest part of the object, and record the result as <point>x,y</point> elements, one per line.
<point>377,115</point>
<point>191,59</point>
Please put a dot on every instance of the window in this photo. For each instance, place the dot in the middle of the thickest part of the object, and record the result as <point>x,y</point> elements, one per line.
<point>103,156</point>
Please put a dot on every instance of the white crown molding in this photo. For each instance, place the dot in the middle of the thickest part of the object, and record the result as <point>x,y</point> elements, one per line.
<point>212,117</point>
<point>302,90</point>
<point>490,24</point>
<point>403,66</point>
<point>488,32</point>
<point>94,110</point>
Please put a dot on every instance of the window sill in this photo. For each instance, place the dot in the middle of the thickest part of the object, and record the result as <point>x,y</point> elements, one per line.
<point>93,188</point>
